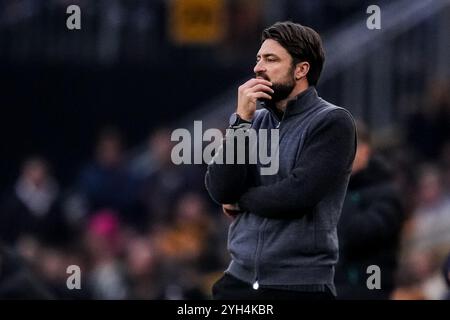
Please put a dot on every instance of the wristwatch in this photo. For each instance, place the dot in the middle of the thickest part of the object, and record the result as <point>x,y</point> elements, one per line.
<point>237,122</point>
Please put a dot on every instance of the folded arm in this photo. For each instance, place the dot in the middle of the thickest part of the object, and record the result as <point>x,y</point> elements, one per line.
<point>326,157</point>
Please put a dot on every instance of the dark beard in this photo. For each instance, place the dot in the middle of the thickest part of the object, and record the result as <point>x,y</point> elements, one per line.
<point>281,90</point>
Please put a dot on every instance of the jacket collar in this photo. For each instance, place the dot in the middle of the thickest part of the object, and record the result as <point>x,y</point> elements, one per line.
<point>301,103</point>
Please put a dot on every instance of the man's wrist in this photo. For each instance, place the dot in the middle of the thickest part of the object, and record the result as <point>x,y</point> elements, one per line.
<point>245,116</point>
<point>236,121</point>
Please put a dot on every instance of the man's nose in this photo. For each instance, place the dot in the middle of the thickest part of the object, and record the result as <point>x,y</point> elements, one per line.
<point>259,67</point>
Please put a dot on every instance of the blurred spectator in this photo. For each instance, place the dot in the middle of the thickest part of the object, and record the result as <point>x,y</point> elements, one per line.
<point>32,208</point>
<point>190,246</point>
<point>405,175</point>
<point>17,281</point>
<point>106,182</point>
<point>414,268</point>
<point>51,267</point>
<point>370,225</point>
<point>245,20</point>
<point>167,181</point>
<point>445,161</point>
<point>446,275</point>
<point>426,240</point>
<point>143,267</point>
<point>419,276</point>
<point>428,129</point>
<point>104,242</point>
<point>431,219</point>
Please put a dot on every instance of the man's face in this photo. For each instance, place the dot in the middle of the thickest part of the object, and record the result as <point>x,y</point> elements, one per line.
<point>274,63</point>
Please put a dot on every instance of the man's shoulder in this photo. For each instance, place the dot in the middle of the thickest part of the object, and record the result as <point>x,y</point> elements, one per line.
<point>328,112</point>
<point>329,109</point>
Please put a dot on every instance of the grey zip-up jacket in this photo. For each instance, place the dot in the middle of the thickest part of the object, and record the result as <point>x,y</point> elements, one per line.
<point>287,232</point>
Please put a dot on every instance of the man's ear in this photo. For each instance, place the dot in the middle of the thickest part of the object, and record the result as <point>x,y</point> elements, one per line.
<point>301,70</point>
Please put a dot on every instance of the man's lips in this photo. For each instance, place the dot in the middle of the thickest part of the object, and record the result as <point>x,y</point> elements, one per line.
<point>264,78</point>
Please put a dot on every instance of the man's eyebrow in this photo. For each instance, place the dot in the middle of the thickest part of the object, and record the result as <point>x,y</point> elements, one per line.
<point>267,55</point>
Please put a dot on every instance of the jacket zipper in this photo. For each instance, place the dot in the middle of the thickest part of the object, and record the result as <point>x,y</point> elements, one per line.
<point>260,231</point>
<point>277,118</point>
<point>259,245</point>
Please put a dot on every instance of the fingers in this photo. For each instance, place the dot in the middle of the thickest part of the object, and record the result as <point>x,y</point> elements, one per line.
<point>249,92</point>
<point>260,87</point>
<point>260,95</point>
<point>230,210</point>
<point>253,82</point>
<point>258,91</point>
<point>230,206</point>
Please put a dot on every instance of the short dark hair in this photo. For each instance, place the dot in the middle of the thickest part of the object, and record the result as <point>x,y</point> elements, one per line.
<point>302,43</point>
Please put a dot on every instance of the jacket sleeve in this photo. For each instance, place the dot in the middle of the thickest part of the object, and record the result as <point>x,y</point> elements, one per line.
<point>326,157</point>
<point>226,182</point>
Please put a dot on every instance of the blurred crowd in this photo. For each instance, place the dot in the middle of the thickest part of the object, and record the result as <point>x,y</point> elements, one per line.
<point>423,166</point>
<point>137,229</point>
<point>396,214</point>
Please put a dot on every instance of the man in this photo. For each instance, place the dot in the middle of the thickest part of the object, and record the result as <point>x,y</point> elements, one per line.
<point>283,240</point>
<point>17,280</point>
<point>370,225</point>
<point>32,208</point>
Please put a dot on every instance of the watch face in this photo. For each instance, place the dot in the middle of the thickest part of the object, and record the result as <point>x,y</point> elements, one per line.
<point>233,119</point>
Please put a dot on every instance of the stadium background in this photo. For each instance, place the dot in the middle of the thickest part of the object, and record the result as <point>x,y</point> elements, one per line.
<point>86,119</point>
